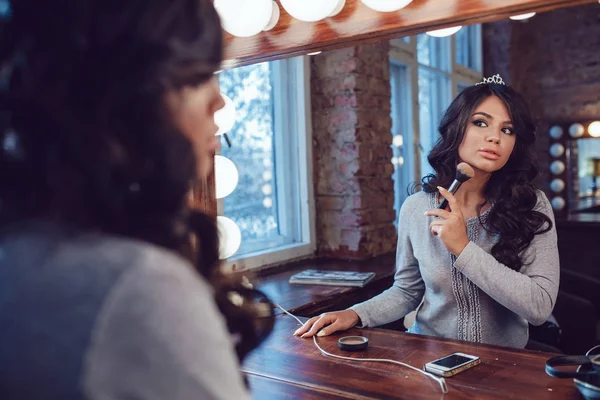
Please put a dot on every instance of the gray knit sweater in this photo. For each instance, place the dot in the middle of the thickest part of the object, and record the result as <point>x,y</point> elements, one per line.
<point>472,297</point>
<point>100,317</point>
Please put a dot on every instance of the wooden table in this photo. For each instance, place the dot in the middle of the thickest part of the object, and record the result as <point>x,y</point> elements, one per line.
<point>288,367</point>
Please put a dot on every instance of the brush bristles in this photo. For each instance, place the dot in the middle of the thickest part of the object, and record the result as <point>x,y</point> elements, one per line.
<point>464,172</point>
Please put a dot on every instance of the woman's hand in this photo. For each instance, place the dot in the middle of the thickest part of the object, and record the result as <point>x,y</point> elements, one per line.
<point>450,227</point>
<point>333,322</point>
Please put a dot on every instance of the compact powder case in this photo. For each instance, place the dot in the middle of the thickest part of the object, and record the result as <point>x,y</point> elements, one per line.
<point>353,343</point>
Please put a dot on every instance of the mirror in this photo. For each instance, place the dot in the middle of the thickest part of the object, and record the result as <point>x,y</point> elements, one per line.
<point>574,166</point>
<point>371,111</point>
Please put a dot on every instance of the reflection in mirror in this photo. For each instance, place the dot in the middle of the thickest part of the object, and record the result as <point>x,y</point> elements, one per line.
<point>576,130</point>
<point>557,185</point>
<point>556,132</point>
<point>588,158</point>
<point>581,154</point>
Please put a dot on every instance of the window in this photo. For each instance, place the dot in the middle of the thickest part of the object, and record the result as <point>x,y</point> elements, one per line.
<point>468,47</point>
<point>402,141</point>
<point>269,141</point>
<point>427,72</point>
<point>434,98</point>
<point>5,10</point>
<point>587,151</point>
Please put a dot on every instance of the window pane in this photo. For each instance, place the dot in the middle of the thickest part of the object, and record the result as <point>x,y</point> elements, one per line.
<point>468,51</point>
<point>5,10</point>
<point>402,140</point>
<point>434,98</point>
<point>433,52</point>
<point>253,205</point>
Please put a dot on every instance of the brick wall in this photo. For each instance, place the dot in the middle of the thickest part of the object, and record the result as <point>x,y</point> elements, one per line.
<point>554,61</point>
<point>352,138</point>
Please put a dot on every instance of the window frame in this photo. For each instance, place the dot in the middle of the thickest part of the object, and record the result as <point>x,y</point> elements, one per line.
<point>291,87</point>
<point>405,53</point>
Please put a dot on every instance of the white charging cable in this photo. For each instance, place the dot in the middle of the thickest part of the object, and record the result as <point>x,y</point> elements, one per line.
<point>439,380</point>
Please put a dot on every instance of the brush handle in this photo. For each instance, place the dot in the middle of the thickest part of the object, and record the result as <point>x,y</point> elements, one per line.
<point>452,189</point>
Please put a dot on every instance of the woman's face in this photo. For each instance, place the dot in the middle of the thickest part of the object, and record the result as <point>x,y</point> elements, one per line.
<point>490,138</point>
<point>193,109</point>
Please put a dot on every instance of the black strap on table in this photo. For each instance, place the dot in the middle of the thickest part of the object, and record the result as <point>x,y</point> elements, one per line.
<point>561,361</point>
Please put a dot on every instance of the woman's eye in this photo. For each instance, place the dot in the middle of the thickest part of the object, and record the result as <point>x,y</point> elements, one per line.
<point>480,123</point>
<point>507,131</point>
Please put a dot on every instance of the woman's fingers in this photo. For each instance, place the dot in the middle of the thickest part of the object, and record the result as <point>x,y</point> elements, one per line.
<point>328,323</point>
<point>436,227</point>
<point>436,212</point>
<point>323,320</point>
<point>333,328</point>
<point>454,207</point>
<point>304,328</point>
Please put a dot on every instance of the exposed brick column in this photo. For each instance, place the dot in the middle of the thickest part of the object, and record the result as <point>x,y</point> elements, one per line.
<point>352,138</point>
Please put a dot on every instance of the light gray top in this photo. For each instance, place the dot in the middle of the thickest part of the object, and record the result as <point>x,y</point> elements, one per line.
<point>101,317</point>
<point>473,297</point>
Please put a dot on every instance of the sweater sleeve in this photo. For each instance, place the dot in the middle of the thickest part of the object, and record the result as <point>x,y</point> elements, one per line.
<point>161,336</point>
<point>407,291</point>
<point>530,292</point>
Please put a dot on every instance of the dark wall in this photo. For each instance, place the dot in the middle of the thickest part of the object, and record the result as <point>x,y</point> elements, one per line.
<point>553,59</point>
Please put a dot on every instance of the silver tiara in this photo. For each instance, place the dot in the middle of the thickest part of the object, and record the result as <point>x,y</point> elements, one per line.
<point>496,79</point>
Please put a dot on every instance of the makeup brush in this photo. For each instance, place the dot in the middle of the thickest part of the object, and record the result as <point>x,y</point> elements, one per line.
<point>464,172</point>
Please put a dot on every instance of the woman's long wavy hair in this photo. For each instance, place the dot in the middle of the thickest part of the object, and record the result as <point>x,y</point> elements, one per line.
<point>89,141</point>
<point>509,190</point>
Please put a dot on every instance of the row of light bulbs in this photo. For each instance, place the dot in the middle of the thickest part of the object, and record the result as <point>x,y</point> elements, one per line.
<point>245,18</point>
<point>557,150</point>
<point>226,180</point>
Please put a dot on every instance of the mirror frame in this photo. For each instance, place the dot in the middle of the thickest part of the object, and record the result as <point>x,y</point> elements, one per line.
<point>357,24</point>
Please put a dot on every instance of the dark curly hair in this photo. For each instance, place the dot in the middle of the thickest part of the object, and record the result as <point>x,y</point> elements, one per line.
<point>510,190</point>
<point>89,141</point>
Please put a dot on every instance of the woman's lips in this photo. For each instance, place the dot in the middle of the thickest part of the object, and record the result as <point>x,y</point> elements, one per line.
<point>490,155</point>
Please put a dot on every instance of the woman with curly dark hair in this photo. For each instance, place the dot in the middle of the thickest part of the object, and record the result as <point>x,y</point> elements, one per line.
<point>486,266</point>
<point>106,122</point>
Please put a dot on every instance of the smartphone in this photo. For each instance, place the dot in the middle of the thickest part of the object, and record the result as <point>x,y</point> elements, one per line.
<point>451,364</point>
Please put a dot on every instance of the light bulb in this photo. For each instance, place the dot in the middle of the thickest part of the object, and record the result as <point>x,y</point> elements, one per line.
<point>226,176</point>
<point>557,167</point>
<point>522,17</point>
<point>576,130</point>
<point>386,5</point>
<point>230,237</point>
<point>312,10</point>
<point>594,129</point>
<point>557,150</point>
<point>274,18</point>
<point>225,117</point>
<point>558,203</point>
<point>244,18</point>
<point>444,32</point>
<point>557,185</point>
<point>556,132</point>
<point>398,140</point>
